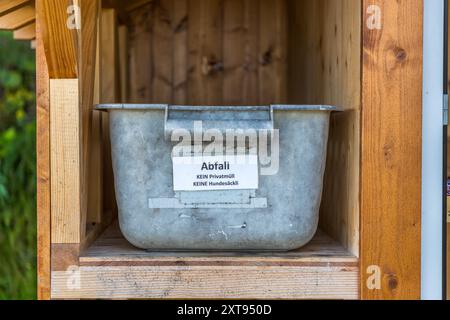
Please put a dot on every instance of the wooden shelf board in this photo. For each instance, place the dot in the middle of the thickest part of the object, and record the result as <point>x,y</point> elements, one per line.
<point>112,268</point>
<point>111,247</point>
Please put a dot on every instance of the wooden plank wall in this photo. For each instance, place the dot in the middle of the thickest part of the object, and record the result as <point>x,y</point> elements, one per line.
<point>295,51</point>
<point>209,52</point>
<point>392,147</point>
<point>236,52</point>
<point>87,49</point>
<point>324,56</point>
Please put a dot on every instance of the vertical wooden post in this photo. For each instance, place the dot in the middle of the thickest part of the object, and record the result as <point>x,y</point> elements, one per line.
<point>391,149</point>
<point>109,93</point>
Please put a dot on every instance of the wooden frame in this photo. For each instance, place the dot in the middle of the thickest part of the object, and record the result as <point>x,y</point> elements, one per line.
<point>389,184</point>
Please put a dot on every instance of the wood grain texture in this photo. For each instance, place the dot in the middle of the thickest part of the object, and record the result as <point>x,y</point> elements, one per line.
<point>59,41</point>
<point>120,7</point>
<point>87,50</point>
<point>43,170</point>
<point>111,247</point>
<point>162,49</point>
<point>137,4</point>
<point>341,86</point>
<point>391,150</point>
<point>214,282</point>
<point>64,256</point>
<point>218,52</point>
<point>272,51</point>
<point>205,72</point>
<point>141,66</point>
<point>123,62</point>
<point>448,91</point>
<point>65,142</point>
<point>180,27</point>
<point>324,59</point>
<point>448,261</point>
<point>17,18</point>
<point>27,32</point>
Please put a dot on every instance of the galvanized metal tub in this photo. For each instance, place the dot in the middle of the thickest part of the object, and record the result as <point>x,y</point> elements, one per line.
<point>281,214</point>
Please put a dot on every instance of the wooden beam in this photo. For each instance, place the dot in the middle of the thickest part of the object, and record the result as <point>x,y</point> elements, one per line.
<point>95,197</point>
<point>26,33</point>
<point>43,169</point>
<point>18,18</point>
<point>59,40</point>
<point>205,47</point>
<point>87,51</point>
<point>109,93</point>
<point>65,161</point>
<point>136,4</point>
<point>123,63</point>
<point>391,151</point>
<point>7,6</point>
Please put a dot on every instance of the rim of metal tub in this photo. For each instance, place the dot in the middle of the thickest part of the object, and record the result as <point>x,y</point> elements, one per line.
<point>275,107</point>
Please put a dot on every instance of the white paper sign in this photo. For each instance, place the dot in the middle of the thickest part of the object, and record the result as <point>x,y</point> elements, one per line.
<point>215,173</point>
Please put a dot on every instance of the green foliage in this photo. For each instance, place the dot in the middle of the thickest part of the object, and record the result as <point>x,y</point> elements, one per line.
<point>17,170</point>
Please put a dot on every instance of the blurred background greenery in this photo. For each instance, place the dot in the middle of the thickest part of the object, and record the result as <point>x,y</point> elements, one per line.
<point>17,170</point>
